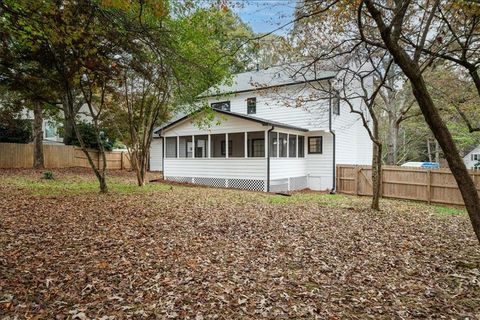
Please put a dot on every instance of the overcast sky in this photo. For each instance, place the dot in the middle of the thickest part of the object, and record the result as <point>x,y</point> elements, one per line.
<point>265,15</point>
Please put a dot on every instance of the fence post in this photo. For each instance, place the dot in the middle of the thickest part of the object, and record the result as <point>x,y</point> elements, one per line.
<point>121,160</point>
<point>429,186</point>
<point>357,173</point>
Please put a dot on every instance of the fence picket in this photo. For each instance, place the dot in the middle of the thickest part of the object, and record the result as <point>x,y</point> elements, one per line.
<point>431,186</point>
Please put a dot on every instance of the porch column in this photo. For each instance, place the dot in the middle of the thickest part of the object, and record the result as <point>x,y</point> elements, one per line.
<point>226,145</point>
<point>296,143</point>
<point>246,143</point>
<point>209,146</point>
<point>288,145</point>
<point>178,146</point>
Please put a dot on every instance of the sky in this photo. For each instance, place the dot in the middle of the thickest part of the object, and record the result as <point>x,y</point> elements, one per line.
<point>265,15</point>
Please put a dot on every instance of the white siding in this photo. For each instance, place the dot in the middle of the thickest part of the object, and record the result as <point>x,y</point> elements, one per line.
<point>231,168</point>
<point>320,166</point>
<point>156,155</point>
<point>281,168</point>
<point>287,105</point>
<point>468,158</point>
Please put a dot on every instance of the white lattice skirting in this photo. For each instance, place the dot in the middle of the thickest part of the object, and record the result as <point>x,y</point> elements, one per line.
<point>277,185</point>
<point>246,184</point>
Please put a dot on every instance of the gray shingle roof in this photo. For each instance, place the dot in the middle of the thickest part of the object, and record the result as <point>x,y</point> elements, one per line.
<point>287,74</point>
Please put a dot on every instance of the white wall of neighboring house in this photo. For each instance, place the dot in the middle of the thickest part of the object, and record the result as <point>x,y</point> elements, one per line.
<point>51,127</point>
<point>472,158</point>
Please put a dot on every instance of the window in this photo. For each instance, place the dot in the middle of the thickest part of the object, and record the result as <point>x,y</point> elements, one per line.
<point>336,104</point>
<point>252,105</point>
<point>292,146</point>
<point>201,143</point>
<point>273,144</point>
<point>282,145</point>
<point>256,144</point>
<point>171,147</point>
<point>223,149</point>
<point>301,146</point>
<point>475,157</point>
<point>50,130</point>
<point>223,105</point>
<point>185,147</point>
<point>315,145</point>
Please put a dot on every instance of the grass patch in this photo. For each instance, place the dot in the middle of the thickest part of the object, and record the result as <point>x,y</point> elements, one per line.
<point>449,211</point>
<point>74,187</point>
<point>328,200</point>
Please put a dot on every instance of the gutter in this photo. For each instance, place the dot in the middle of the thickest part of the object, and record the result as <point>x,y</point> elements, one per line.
<point>333,191</point>
<point>268,157</point>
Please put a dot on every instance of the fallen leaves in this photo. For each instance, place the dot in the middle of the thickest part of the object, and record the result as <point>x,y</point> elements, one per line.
<point>199,253</point>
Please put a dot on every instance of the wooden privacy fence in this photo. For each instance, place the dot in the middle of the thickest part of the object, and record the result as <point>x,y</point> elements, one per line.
<point>15,155</point>
<point>429,185</point>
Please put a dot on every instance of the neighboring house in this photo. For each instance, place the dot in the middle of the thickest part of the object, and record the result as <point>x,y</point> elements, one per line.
<point>281,134</point>
<point>52,127</point>
<point>472,158</point>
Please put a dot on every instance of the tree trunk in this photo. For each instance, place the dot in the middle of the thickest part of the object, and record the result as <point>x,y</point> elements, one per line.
<point>445,140</point>
<point>429,150</point>
<point>376,175</point>
<point>38,136</point>
<point>437,152</point>
<point>392,139</point>
<point>103,183</point>
<point>432,116</point>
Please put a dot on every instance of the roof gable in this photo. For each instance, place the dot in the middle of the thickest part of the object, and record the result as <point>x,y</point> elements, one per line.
<point>236,115</point>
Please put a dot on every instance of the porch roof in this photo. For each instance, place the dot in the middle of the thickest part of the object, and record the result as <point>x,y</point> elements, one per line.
<point>238,115</point>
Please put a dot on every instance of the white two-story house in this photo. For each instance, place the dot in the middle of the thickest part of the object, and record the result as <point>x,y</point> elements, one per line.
<point>273,130</point>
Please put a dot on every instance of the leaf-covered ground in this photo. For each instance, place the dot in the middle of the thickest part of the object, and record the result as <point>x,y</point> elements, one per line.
<point>170,251</point>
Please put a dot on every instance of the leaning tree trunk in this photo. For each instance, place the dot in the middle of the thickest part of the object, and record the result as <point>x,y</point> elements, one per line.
<point>432,116</point>
<point>38,136</point>
<point>450,151</point>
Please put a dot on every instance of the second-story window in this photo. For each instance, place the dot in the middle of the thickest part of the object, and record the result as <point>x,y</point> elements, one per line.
<point>252,105</point>
<point>222,105</point>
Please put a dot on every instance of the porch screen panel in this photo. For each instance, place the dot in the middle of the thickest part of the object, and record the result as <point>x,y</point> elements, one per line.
<point>282,144</point>
<point>301,146</point>
<point>237,144</point>
<point>256,144</point>
<point>201,144</point>
<point>273,144</point>
<point>292,145</point>
<point>186,147</point>
<point>217,141</point>
<point>171,147</point>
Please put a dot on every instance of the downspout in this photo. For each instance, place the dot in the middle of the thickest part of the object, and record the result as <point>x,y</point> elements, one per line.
<point>333,191</point>
<point>163,154</point>
<point>268,157</point>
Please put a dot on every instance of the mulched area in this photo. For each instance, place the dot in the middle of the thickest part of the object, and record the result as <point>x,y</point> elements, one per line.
<point>200,253</point>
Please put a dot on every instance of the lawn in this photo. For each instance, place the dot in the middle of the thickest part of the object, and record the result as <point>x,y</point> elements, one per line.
<point>173,251</point>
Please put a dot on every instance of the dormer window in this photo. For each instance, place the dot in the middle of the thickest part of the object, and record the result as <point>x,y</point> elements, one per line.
<point>252,105</point>
<point>223,105</point>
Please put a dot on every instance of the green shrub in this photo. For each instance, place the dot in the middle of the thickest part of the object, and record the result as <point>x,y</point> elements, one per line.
<point>48,175</point>
<point>87,131</point>
<point>16,131</point>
